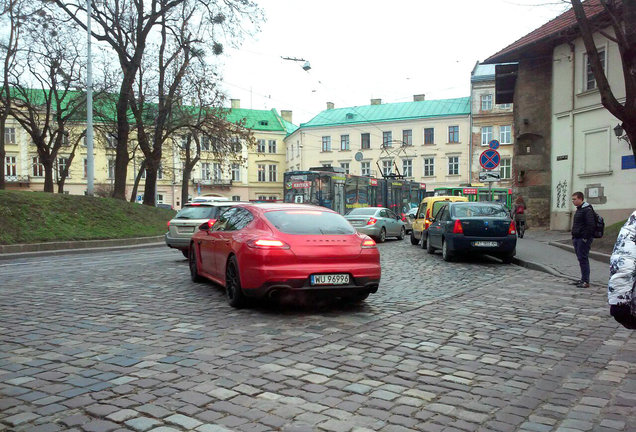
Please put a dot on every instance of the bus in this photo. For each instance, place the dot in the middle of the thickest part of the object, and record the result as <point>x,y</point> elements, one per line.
<point>342,192</point>
<point>478,193</point>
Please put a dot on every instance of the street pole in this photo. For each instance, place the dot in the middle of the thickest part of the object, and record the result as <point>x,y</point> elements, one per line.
<point>90,163</point>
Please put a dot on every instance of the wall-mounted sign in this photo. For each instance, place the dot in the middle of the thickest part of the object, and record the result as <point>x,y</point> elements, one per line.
<point>562,157</point>
<point>628,162</point>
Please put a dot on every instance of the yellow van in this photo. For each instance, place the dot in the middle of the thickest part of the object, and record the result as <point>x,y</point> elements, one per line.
<point>428,208</point>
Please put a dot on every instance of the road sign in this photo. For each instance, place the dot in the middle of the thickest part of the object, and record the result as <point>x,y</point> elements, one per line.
<point>494,144</point>
<point>489,159</point>
<point>489,176</point>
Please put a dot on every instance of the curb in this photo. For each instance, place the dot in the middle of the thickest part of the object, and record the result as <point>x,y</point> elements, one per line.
<point>598,256</point>
<point>540,267</point>
<point>80,246</point>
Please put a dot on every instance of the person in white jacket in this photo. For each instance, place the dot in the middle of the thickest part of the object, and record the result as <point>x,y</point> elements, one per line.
<point>621,289</point>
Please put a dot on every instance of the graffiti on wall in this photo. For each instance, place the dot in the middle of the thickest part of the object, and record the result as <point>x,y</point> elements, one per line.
<point>561,194</point>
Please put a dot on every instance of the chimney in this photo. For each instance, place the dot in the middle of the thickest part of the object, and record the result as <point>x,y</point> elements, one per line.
<point>376,101</point>
<point>286,115</point>
<point>329,105</point>
<point>236,103</point>
<point>419,97</point>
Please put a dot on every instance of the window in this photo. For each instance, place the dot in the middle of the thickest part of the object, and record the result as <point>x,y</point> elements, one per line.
<point>344,142</point>
<point>453,134</point>
<point>261,173</point>
<point>429,166</point>
<point>505,168</point>
<point>66,139</point>
<point>365,141</point>
<point>262,198</point>
<point>272,146</point>
<point>326,164</point>
<point>387,167</point>
<point>453,165</point>
<point>326,143</point>
<point>260,146</point>
<point>38,168</point>
<point>272,198</point>
<point>486,102</point>
<point>387,137</point>
<point>236,172</point>
<point>365,168</point>
<point>9,135</point>
<point>205,171</point>
<point>504,106</point>
<point>86,168</point>
<point>590,82</point>
<point>62,163</point>
<point>10,166</point>
<point>272,173</point>
<point>486,135</point>
<point>236,145</point>
<point>236,197</point>
<point>111,168</point>
<point>429,136</point>
<point>216,171</point>
<point>504,134</point>
<point>407,137</point>
<point>407,168</point>
<point>159,172</point>
<point>205,143</point>
<point>111,140</point>
<point>345,165</point>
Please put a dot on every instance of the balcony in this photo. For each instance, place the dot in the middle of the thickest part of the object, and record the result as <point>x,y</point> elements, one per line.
<point>23,179</point>
<point>221,183</point>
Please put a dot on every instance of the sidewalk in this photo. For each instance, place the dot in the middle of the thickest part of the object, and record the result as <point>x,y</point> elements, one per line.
<point>535,251</point>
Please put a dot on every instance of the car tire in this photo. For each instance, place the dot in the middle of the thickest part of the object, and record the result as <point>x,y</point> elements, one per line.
<point>382,236</point>
<point>192,263</point>
<point>186,253</point>
<point>429,247</point>
<point>507,259</point>
<point>425,241</point>
<point>233,290</point>
<point>414,241</point>
<point>402,234</point>
<point>446,254</point>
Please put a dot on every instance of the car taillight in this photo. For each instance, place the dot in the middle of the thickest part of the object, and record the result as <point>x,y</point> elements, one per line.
<point>512,229</point>
<point>427,223</point>
<point>457,228</point>
<point>267,244</point>
<point>168,223</point>
<point>403,217</point>
<point>371,221</point>
<point>368,243</point>
<point>211,222</point>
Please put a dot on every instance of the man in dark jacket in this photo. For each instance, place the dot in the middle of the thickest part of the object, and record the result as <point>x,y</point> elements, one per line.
<point>583,227</point>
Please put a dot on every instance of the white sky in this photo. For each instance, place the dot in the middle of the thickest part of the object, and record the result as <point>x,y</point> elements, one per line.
<point>363,49</point>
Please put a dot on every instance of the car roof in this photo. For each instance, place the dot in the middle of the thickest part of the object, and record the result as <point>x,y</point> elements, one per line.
<point>211,203</point>
<point>265,207</point>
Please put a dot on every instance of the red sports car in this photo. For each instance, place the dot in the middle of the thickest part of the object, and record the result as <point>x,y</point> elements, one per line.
<point>264,250</point>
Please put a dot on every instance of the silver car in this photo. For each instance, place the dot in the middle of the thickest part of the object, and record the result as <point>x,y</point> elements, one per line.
<point>188,219</point>
<point>377,222</point>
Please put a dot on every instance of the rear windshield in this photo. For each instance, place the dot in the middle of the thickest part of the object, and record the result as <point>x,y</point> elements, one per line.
<point>438,205</point>
<point>197,212</point>
<point>362,211</point>
<point>309,222</point>
<point>479,210</point>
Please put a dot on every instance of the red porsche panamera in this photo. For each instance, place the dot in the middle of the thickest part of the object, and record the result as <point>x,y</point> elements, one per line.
<point>264,250</point>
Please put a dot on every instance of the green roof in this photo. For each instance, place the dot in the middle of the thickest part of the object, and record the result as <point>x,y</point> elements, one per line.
<point>261,120</point>
<point>390,112</point>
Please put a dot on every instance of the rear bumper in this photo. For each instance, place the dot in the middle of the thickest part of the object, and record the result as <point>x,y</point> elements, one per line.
<point>359,285</point>
<point>177,242</point>
<point>370,230</point>
<point>457,243</point>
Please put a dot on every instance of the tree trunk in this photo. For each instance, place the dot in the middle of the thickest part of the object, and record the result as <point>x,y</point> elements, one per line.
<point>150,187</point>
<point>122,158</point>
<point>185,186</point>
<point>3,121</point>
<point>133,195</point>
<point>48,174</point>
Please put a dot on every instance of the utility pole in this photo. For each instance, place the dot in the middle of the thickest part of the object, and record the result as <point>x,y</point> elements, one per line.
<point>90,163</point>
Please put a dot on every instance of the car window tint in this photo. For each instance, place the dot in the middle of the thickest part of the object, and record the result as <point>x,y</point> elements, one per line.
<point>422,212</point>
<point>479,210</point>
<point>438,205</point>
<point>440,212</point>
<point>362,211</point>
<point>309,222</point>
<point>196,212</point>
<point>383,213</point>
<point>238,220</point>
<point>221,223</point>
<point>391,214</point>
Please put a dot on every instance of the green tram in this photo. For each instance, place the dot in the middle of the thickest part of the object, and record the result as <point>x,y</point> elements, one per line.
<point>342,192</point>
<point>478,193</point>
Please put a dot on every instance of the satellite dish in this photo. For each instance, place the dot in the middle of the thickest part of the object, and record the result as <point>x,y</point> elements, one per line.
<point>358,156</point>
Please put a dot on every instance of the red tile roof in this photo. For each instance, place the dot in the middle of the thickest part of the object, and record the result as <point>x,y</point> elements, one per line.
<point>558,25</point>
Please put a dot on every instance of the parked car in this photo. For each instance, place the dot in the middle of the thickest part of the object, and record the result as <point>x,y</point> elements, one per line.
<point>409,218</point>
<point>164,206</point>
<point>188,219</point>
<point>461,228</point>
<point>267,250</point>
<point>427,209</point>
<point>377,222</point>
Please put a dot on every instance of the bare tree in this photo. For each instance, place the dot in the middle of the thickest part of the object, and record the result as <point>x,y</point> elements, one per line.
<point>620,16</point>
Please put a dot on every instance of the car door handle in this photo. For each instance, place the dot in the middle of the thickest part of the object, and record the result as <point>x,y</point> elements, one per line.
<point>226,242</point>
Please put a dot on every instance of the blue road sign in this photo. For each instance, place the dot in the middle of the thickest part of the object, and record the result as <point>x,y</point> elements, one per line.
<point>489,159</point>
<point>494,144</point>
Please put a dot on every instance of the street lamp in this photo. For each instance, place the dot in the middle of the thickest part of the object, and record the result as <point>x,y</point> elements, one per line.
<point>619,132</point>
<point>90,164</point>
<point>306,65</point>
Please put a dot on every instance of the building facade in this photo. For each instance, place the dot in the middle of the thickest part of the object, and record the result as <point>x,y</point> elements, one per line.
<point>425,141</point>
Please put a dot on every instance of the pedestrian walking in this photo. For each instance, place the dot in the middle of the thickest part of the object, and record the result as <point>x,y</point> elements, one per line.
<point>621,289</point>
<point>519,215</point>
<point>583,227</point>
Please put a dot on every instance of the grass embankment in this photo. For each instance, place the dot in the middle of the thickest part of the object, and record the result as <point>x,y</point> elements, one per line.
<point>36,217</point>
<point>606,243</point>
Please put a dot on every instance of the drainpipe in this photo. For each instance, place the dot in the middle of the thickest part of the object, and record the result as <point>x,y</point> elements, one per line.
<point>573,98</point>
<point>470,138</point>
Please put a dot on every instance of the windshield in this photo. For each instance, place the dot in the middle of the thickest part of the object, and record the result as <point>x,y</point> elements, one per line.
<point>309,222</point>
<point>479,210</point>
<point>197,212</point>
<point>366,211</point>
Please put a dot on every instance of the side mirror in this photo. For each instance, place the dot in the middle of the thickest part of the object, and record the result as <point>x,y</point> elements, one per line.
<point>432,219</point>
<point>411,216</point>
<point>207,226</point>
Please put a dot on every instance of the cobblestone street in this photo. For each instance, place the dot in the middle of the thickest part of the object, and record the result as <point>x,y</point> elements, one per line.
<point>125,341</point>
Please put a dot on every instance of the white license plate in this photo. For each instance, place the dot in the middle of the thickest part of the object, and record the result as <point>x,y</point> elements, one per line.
<point>330,279</point>
<point>186,229</point>
<point>485,244</point>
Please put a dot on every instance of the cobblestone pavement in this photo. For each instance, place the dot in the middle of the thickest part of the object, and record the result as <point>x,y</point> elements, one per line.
<point>124,341</point>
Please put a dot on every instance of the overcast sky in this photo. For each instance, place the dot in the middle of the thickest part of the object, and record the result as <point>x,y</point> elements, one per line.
<point>363,49</point>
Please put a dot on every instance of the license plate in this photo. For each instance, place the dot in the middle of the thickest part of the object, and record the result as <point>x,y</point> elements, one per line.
<point>330,279</point>
<point>485,244</point>
<point>186,229</point>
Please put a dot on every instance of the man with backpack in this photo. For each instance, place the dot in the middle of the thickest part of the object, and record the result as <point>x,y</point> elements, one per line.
<point>583,228</point>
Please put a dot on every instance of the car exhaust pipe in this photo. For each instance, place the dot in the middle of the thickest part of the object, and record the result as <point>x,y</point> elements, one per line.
<point>273,294</point>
